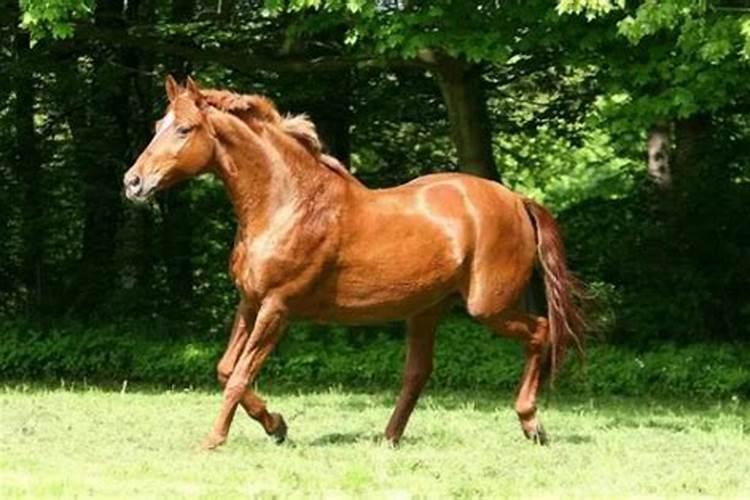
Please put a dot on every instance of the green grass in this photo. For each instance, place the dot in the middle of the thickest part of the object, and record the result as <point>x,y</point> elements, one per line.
<point>106,444</point>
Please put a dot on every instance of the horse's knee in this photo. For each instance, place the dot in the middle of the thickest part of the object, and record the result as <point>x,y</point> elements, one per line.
<point>532,330</point>
<point>234,391</point>
<point>222,375</point>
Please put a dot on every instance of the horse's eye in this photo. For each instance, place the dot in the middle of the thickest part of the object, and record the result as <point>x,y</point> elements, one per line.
<point>184,129</point>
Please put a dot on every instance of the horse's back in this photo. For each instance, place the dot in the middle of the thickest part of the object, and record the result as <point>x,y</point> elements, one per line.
<point>485,205</point>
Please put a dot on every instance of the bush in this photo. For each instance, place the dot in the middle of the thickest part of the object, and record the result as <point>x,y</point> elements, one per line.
<point>468,357</point>
<point>663,276</point>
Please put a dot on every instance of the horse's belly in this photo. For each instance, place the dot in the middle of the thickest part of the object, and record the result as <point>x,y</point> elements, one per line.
<point>393,302</point>
<point>390,301</point>
<point>387,279</point>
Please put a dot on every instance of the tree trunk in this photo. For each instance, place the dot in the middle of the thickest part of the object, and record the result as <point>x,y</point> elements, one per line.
<point>462,88</point>
<point>139,250</point>
<point>106,149</point>
<point>658,150</point>
<point>178,212</point>
<point>29,171</point>
<point>336,135</point>
<point>333,117</point>
<point>692,136</point>
<point>177,236</point>
<point>676,169</point>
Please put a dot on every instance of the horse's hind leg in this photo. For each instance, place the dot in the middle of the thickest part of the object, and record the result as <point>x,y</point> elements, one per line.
<point>421,341</point>
<point>534,332</point>
<point>255,407</point>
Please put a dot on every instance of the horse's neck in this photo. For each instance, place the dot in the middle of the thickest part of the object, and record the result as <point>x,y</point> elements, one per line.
<point>263,180</point>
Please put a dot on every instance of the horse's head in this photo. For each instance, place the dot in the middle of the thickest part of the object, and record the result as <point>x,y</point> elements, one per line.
<point>183,145</point>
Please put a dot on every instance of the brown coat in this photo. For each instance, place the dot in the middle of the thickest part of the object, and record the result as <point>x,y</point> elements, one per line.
<point>312,242</point>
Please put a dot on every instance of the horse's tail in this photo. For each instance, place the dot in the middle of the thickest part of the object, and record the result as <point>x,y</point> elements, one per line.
<point>562,289</point>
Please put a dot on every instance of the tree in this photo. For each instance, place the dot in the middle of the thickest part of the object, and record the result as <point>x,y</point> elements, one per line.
<point>564,104</point>
<point>28,163</point>
<point>452,40</point>
<point>680,62</point>
<point>674,73</point>
<point>176,205</point>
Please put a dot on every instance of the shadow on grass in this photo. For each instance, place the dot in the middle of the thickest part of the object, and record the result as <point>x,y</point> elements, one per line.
<point>346,438</point>
<point>635,423</point>
<point>573,439</point>
<point>337,438</point>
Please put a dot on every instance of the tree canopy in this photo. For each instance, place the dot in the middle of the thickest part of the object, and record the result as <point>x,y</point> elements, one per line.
<point>627,118</point>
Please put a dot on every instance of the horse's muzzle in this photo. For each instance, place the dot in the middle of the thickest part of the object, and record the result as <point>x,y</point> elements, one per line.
<point>137,188</point>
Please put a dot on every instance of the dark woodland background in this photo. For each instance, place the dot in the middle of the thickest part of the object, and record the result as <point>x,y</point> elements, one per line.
<point>630,124</point>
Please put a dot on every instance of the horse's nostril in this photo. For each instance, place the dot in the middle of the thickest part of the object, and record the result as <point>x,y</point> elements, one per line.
<point>134,181</point>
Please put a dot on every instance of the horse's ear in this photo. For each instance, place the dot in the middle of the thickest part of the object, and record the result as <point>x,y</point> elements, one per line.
<point>172,88</point>
<point>195,93</point>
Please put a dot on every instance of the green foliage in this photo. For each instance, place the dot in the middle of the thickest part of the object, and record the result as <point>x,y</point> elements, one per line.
<point>690,58</point>
<point>570,101</point>
<point>467,357</point>
<point>592,8</point>
<point>663,283</point>
<point>558,144</point>
<point>395,140</point>
<point>54,17</point>
<point>475,31</point>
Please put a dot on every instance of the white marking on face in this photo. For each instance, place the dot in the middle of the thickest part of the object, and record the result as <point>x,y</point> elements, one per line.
<point>165,123</point>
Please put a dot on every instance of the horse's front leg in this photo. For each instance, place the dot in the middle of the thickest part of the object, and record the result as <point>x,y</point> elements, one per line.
<point>254,406</point>
<point>266,331</point>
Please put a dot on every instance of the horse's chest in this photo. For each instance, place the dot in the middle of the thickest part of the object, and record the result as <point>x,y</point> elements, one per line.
<point>269,259</point>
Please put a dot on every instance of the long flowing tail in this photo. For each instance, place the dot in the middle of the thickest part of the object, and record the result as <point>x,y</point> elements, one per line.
<point>562,289</point>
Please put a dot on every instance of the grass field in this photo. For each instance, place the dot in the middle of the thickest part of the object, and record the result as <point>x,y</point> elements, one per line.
<point>107,444</point>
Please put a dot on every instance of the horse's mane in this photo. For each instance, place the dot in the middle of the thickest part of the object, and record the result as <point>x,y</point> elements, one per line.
<point>257,107</point>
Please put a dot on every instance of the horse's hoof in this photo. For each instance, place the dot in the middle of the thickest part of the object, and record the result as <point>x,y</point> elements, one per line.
<point>390,438</point>
<point>537,435</point>
<point>212,442</point>
<point>279,433</point>
<point>392,443</point>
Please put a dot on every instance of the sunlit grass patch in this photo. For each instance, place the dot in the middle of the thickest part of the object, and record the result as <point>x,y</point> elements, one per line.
<point>107,444</point>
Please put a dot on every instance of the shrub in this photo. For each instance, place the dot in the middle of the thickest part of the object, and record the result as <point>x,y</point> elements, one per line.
<point>467,357</point>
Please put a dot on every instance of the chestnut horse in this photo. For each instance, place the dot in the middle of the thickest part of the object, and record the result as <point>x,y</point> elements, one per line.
<point>313,243</point>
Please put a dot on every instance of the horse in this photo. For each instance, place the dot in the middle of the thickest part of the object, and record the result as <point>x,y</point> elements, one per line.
<point>314,243</point>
